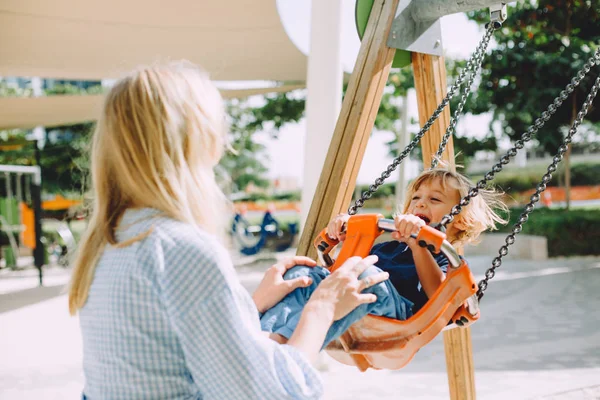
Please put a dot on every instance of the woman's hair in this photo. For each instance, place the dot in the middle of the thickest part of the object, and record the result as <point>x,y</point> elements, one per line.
<point>478,216</point>
<point>161,132</point>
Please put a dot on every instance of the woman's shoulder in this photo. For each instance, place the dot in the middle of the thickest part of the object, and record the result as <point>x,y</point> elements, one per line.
<point>168,238</point>
<point>185,256</point>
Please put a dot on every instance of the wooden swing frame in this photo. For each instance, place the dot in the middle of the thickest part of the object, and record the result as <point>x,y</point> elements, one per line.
<point>353,128</point>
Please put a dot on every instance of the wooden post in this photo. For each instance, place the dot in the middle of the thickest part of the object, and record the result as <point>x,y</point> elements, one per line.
<point>430,83</point>
<point>345,154</point>
<point>354,125</point>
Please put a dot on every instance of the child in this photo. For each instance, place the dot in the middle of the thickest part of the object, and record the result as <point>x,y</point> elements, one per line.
<point>414,273</point>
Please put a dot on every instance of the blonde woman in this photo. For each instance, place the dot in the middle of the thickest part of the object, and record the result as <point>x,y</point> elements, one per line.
<point>162,313</point>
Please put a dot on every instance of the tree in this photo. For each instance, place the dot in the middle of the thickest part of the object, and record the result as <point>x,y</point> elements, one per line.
<point>63,158</point>
<point>540,48</point>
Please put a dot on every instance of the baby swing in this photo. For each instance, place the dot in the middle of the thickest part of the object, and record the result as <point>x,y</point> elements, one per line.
<point>384,343</point>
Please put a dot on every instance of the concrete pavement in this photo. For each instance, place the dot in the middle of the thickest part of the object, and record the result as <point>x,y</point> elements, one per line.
<point>539,338</point>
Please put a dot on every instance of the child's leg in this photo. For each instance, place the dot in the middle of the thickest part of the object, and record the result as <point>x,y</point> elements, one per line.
<point>281,320</point>
<point>389,304</point>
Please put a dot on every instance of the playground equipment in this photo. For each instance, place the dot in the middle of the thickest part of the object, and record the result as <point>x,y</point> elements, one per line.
<point>29,232</point>
<point>251,239</point>
<point>376,342</point>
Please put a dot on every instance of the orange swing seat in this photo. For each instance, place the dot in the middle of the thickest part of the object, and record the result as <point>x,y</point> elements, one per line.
<point>386,343</point>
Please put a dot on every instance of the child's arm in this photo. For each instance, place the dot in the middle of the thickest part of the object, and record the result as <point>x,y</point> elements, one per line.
<point>428,270</point>
<point>430,274</point>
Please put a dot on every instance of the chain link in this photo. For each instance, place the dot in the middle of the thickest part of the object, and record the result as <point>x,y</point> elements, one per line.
<point>535,197</point>
<point>470,69</point>
<point>525,137</point>
<point>466,91</point>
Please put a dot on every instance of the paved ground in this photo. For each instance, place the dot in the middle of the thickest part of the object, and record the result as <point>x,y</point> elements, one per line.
<point>539,338</point>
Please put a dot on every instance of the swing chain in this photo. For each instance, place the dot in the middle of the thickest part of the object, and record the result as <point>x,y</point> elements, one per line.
<point>472,63</point>
<point>535,197</point>
<point>466,91</point>
<point>525,137</point>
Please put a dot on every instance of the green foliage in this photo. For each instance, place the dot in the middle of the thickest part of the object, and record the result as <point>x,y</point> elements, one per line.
<point>65,162</point>
<point>540,48</point>
<point>519,181</point>
<point>385,190</point>
<point>515,181</point>
<point>569,232</point>
<point>585,174</point>
<point>63,158</point>
<point>288,196</point>
<point>69,89</point>
<point>244,164</point>
<point>278,110</point>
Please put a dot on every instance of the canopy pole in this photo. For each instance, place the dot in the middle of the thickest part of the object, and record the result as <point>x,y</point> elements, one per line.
<point>324,92</point>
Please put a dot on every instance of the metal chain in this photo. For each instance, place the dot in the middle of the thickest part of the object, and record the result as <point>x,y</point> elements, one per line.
<point>466,91</point>
<point>535,197</point>
<point>525,137</point>
<point>474,60</point>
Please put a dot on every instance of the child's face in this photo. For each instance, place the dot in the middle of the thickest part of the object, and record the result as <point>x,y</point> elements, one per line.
<point>431,201</point>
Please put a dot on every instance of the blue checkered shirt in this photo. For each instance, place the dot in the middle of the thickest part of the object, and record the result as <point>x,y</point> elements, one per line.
<point>167,318</point>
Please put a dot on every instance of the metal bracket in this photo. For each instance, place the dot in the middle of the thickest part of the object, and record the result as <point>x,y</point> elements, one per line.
<point>412,35</point>
<point>417,24</point>
<point>498,14</point>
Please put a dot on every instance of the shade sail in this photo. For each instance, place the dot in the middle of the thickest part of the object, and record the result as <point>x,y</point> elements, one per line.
<point>28,112</point>
<point>99,39</point>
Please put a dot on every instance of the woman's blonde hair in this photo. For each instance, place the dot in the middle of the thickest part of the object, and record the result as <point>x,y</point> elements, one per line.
<point>478,216</point>
<point>161,132</point>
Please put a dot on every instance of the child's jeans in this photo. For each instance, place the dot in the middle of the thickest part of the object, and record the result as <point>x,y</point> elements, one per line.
<point>284,316</point>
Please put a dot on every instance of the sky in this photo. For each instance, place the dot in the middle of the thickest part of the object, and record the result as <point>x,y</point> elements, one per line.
<point>459,38</point>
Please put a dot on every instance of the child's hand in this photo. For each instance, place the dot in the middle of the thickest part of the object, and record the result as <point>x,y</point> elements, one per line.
<point>406,225</point>
<point>337,226</point>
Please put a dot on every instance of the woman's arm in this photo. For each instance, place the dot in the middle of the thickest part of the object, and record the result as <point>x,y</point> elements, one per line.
<point>218,331</point>
<point>273,288</point>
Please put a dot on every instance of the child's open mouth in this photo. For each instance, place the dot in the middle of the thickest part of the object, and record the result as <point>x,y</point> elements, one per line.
<point>424,218</point>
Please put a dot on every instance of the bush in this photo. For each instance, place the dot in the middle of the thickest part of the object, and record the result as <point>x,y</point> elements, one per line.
<point>289,196</point>
<point>569,232</point>
<point>385,190</point>
<point>586,174</point>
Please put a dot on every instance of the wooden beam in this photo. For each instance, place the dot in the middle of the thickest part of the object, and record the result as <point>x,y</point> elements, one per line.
<point>357,117</point>
<point>430,84</point>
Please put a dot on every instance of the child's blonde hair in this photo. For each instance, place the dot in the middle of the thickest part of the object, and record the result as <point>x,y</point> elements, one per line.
<point>478,216</point>
<point>161,132</point>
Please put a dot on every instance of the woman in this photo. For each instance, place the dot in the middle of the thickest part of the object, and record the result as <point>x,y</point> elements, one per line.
<point>162,313</point>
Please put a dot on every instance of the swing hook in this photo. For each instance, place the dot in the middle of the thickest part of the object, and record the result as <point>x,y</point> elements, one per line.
<point>498,14</point>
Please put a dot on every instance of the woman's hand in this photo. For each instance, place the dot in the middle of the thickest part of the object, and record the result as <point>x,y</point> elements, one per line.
<point>342,289</point>
<point>273,288</point>
<point>406,225</point>
<point>336,228</point>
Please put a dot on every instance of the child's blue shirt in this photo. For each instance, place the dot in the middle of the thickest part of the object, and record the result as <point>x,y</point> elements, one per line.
<point>396,258</point>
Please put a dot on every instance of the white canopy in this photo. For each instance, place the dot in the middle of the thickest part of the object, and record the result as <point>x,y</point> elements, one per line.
<point>99,39</point>
<point>49,111</point>
<point>234,40</point>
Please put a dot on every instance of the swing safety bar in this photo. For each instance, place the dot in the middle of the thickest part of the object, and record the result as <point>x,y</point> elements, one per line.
<point>385,343</point>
